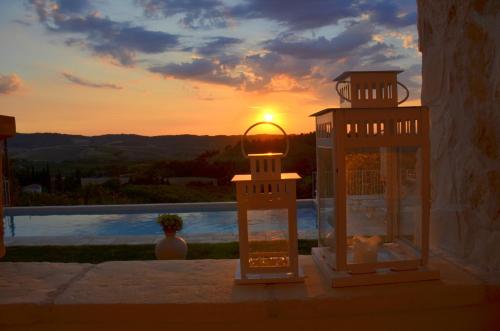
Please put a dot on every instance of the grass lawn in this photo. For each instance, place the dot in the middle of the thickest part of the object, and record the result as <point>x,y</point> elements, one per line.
<point>103,253</point>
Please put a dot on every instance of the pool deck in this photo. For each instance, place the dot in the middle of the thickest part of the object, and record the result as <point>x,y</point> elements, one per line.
<point>201,294</point>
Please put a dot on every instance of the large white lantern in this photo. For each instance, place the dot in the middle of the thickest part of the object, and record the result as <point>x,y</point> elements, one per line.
<point>267,220</point>
<point>372,184</point>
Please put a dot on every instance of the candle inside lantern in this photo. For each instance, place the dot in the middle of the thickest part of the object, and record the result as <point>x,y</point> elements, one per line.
<point>365,249</point>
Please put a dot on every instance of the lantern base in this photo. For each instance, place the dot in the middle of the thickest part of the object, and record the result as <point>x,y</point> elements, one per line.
<point>381,276</point>
<point>268,278</point>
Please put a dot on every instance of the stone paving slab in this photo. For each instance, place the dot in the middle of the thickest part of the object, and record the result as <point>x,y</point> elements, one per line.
<point>36,282</point>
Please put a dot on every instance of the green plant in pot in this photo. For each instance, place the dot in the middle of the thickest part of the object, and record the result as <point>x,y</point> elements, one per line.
<point>170,247</point>
<point>170,223</point>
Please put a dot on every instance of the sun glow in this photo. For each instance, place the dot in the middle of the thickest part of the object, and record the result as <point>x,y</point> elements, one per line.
<point>268,117</point>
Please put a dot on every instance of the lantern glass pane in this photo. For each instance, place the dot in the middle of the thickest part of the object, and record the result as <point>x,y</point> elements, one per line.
<point>326,199</point>
<point>409,196</point>
<point>383,205</point>
<point>268,241</point>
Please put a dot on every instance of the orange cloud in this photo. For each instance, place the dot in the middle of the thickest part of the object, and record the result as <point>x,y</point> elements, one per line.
<point>10,83</point>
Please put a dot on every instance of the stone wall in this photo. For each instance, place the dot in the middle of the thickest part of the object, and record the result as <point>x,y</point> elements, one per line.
<point>460,45</point>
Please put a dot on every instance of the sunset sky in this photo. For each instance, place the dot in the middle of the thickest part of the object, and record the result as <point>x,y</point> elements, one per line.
<point>155,67</point>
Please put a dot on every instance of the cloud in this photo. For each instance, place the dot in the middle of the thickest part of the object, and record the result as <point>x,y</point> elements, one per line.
<point>297,14</point>
<point>73,6</point>
<point>22,21</point>
<point>120,41</point>
<point>9,83</point>
<point>289,62</point>
<point>389,14</point>
<point>314,58</point>
<point>293,14</point>
<point>203,70</point>
<point>266,72</point>
<point>217,45</point>
<point>83,82</point>
<point>322,48</point>
<point>195,14</point>
<point>380,58</point>
<point>266,66</point>
<point>310,63</point>
<point>253,73</point>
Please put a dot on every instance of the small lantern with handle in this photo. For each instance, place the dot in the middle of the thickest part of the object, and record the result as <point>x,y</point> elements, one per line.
<point>267,238</point>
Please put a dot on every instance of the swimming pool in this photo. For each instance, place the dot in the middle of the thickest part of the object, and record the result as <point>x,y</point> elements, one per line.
<point>117,223</point>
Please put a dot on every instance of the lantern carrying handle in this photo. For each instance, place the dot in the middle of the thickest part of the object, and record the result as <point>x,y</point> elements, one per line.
<point>348,100</point>
<point>407,93</point>
<point>338,92</point>
<point>243,151</point>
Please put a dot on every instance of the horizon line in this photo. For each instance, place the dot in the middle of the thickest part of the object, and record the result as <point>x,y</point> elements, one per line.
<point>158,135</point>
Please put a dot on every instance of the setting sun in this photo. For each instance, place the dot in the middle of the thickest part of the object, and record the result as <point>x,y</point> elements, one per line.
<point>268,117</point>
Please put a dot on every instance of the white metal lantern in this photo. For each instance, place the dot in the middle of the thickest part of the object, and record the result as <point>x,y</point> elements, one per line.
<point>267,219</point>
<point>372,184</point>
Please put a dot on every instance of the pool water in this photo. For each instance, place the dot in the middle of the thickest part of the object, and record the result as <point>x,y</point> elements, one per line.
<point>195,223</point>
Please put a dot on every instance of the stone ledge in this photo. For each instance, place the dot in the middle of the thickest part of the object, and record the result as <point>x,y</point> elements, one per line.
<point>69,296</point>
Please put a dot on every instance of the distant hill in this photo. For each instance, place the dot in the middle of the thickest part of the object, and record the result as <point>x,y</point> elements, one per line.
<point>59,161</point>
<point>55,147</point>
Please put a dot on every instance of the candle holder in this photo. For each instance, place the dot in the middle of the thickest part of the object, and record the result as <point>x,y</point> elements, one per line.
<point>268,250</point>
<point>372,184</point>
